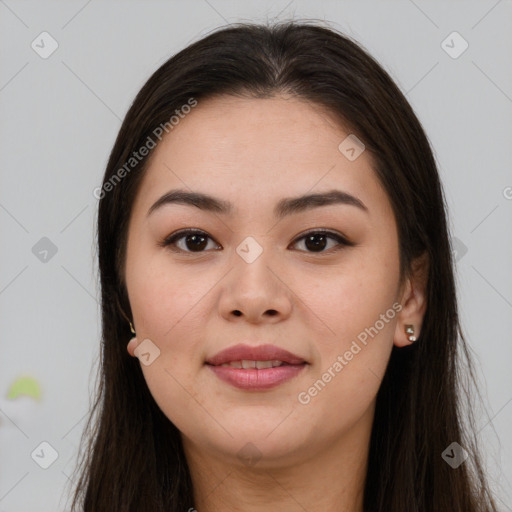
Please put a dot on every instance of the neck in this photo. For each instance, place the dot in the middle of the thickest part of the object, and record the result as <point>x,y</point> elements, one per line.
<point>332,479</point>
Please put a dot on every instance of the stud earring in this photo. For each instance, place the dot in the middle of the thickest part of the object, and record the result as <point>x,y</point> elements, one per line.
<point>409,330</point>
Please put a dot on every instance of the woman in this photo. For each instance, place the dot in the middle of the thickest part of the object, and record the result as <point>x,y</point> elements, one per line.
<point>272,238</point>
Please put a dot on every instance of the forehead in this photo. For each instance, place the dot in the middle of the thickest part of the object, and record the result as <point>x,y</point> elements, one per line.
<point>248,149</point>
<point>238,129</point>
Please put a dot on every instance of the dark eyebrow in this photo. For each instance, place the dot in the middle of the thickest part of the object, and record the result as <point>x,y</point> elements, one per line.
<point>283,208</point>
<point>299,204</point>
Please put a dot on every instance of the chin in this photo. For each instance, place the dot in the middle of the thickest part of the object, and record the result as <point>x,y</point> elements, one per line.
<point>260,444</point>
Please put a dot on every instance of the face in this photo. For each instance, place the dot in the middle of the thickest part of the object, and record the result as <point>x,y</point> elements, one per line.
<point>318,279</point>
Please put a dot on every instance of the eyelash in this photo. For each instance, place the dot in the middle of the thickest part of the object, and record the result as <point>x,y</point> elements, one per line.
<point>173,238</point>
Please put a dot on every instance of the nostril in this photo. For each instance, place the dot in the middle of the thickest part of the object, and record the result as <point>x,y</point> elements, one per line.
<point>270,312</point>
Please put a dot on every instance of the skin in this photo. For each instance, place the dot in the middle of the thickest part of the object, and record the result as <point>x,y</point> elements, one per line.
<point>254,152</point>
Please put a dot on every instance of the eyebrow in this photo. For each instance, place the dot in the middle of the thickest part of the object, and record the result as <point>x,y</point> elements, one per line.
<point>284,207</point>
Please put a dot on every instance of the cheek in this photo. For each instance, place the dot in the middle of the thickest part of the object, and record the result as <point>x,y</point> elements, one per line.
<point>166,304</point>
<point>348,301</point>
<point>358,308</point>
<point>353,360</point>
<point>163,295</point>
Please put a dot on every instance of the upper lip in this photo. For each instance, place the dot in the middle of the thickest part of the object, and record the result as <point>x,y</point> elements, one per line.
<point>254,353</point>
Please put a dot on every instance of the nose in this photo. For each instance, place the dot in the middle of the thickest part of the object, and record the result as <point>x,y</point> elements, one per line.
<point>255,292</point>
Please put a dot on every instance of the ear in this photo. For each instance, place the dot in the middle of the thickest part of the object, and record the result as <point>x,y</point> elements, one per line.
<point>132,345</point>
<point>413,300</point>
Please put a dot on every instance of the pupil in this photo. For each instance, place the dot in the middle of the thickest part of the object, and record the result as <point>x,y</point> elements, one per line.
<point>198,242</point>
<point>313,242</point>
<point>316,245</point>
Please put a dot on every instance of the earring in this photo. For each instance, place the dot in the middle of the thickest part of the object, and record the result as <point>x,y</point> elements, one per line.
<point>409,330</point>
<point>132,342</point>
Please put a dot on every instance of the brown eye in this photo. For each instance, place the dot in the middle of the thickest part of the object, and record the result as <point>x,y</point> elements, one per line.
<point>190,241</point>
<point>317,241</point>
<point>187,241</point>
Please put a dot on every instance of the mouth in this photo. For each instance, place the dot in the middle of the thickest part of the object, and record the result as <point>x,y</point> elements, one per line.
<point>256,368</point>
<point>247,364</point>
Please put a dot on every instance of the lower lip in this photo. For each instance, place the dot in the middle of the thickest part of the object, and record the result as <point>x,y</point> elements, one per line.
<point>254,379</point>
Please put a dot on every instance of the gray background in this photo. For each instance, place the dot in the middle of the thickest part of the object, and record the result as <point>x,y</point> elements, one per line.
<point>60,116</point>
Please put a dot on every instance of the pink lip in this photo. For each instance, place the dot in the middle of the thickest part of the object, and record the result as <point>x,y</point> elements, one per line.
<point>253,378</point>
<point>259,353</point>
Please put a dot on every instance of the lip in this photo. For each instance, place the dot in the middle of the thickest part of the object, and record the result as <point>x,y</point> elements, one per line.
<point>258,353</point>
<point>253,378</point>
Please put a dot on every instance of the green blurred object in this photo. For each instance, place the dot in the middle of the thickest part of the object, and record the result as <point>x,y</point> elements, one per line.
<point>27,386</point>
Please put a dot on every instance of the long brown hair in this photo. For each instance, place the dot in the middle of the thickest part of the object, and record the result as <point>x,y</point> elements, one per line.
<point>132,458</point>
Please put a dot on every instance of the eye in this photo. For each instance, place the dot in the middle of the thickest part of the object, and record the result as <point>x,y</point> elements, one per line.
<point>317,241</point>
<point>195,240</point>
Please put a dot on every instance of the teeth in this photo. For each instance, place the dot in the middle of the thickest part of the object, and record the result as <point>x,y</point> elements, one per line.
<point>233,364</point>
<point>247,364</point>
<point>263,364</point>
